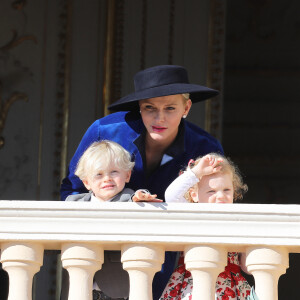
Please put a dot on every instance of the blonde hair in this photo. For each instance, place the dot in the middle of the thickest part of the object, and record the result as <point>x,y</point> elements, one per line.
<point>186,96</point>
<point>99,155</point>
<point>239,188</point>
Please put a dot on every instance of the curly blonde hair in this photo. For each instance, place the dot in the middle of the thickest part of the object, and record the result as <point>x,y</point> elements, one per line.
<point>239,187</point>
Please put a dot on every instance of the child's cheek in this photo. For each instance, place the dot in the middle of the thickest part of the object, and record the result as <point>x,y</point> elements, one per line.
<point>212,199</point>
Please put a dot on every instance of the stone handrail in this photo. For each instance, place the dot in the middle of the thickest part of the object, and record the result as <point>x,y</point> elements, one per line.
<point>143,231</point>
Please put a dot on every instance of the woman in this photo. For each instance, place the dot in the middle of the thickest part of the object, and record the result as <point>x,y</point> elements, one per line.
<point>149,123</point>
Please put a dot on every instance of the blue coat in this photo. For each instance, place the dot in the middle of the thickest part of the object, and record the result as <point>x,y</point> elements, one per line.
<point>126,128</point>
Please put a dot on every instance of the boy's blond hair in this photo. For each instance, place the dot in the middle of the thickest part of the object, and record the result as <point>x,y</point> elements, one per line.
<point>239,188</point>
<point>99,155</point>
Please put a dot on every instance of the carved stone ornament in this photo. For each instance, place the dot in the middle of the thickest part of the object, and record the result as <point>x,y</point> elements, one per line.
<point>15,41</point>
<point>4,108</point>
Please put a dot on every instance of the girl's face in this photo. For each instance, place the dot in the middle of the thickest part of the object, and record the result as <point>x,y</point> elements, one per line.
<point>107,183</point>
<point>162,116</point>
<point>214,188</point>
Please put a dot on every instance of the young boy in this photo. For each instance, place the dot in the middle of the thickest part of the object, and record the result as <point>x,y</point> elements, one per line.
<point>105,168</point>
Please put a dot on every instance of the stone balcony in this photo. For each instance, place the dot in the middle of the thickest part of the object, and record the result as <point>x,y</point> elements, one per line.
<point>143,231</point>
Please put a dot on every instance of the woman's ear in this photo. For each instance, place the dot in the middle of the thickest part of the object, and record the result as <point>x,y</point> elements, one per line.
<point>194,195</point>
<point>188,106</point>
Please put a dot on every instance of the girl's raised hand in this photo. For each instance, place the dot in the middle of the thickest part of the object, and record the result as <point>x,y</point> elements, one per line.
<point>207,165</point>
<point>144,196</point>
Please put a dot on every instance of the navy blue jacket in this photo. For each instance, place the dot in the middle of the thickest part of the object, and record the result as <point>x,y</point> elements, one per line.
<point>127,128</point>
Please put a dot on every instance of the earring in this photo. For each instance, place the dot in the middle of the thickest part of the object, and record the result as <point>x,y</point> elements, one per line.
<point>140,111</point>
<point>184,116</point>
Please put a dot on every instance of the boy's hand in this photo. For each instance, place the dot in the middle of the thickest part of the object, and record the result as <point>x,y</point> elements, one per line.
<point>207,165</point>
<point>144,196</point>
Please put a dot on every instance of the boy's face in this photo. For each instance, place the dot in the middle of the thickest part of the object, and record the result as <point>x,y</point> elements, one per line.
<point>214,188</point>
<point>108,183</point>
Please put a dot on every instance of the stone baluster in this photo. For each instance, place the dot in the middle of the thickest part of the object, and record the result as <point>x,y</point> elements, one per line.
<point>21,261</point>
<point>141,262</point>
<point>267,265</point>
<point>205,263</point>
<point>81,261</point>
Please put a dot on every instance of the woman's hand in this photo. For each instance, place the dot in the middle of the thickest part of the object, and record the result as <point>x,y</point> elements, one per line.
<point>144,196</point>
<point>207,165</point>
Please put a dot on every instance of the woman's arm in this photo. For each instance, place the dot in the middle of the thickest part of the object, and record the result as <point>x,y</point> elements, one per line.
<point>176,190</point>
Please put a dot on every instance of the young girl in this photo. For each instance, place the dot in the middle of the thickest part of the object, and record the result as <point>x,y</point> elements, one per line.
<point>210,179</point>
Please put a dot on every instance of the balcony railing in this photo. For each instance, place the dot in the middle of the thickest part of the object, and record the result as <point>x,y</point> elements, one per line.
<point>205,232</point>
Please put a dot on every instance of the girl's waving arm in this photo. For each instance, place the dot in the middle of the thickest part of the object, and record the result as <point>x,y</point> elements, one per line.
<point>176,190</point>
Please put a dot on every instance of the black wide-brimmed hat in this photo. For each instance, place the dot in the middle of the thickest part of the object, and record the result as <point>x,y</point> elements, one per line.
<point>161,81</point>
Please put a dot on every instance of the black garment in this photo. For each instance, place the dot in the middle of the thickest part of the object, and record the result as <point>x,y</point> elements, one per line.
<point>99,295</point>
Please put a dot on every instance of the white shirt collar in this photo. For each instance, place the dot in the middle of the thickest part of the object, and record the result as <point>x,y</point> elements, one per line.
<point>94,199</point>
<point>165,159</point>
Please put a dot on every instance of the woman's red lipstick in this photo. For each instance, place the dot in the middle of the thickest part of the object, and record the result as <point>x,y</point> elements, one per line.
<point>158,128</point>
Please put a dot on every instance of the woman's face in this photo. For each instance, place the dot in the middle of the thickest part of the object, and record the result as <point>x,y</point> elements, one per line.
<point>162,116</point>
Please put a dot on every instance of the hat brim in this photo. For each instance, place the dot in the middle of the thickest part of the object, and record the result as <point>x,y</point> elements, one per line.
<point>130,102</point>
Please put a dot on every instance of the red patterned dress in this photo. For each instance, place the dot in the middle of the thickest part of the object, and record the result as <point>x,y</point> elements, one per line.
<point>230,283</point>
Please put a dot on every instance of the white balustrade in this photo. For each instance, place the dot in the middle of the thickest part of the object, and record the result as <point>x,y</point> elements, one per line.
<point>141,262</point>
<point>205,263</point>
<point>143,231</point>
<point>21,261</point>
<point>81,261</point>
<point>267,265</point>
